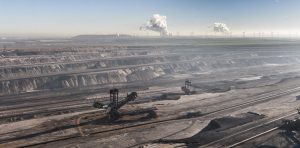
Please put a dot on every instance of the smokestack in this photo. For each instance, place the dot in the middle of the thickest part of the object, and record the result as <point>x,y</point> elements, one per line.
<point>272,35</point>
<point>192,34</point>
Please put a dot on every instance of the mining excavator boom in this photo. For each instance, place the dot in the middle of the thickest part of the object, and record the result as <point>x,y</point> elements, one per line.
<point>187,87</point>
<point>114,103</point>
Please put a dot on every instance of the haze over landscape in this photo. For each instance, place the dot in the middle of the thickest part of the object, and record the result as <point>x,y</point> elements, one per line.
<point>191,17</point>
<point>149,73</point>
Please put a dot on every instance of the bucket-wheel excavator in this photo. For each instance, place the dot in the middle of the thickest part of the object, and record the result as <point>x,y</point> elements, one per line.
<point>114,103</point>
<point>187,87</point>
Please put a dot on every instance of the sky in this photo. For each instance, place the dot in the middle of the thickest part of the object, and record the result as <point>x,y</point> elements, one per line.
<point>74,17</point>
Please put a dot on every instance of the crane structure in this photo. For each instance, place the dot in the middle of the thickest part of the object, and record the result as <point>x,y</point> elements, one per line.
<point>114,103</point>
<point>187,87</point>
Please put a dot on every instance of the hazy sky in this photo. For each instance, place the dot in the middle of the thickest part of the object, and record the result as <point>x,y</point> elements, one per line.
<point>72,17</point>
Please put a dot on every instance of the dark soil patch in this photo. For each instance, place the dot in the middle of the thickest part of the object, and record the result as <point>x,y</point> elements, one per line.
<point>224,123</point>
<point>191,115</point>
<point>216,129</point>
<point>169,96</point>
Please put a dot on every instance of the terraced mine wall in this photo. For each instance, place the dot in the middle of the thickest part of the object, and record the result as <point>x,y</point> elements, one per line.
<point>38,71</point>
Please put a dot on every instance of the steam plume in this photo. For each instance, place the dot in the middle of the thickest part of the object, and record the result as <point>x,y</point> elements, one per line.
<point>221,28</point>
<point>157,23</point>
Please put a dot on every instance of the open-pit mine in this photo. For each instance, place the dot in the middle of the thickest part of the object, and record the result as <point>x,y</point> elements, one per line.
<point>123,91</point>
